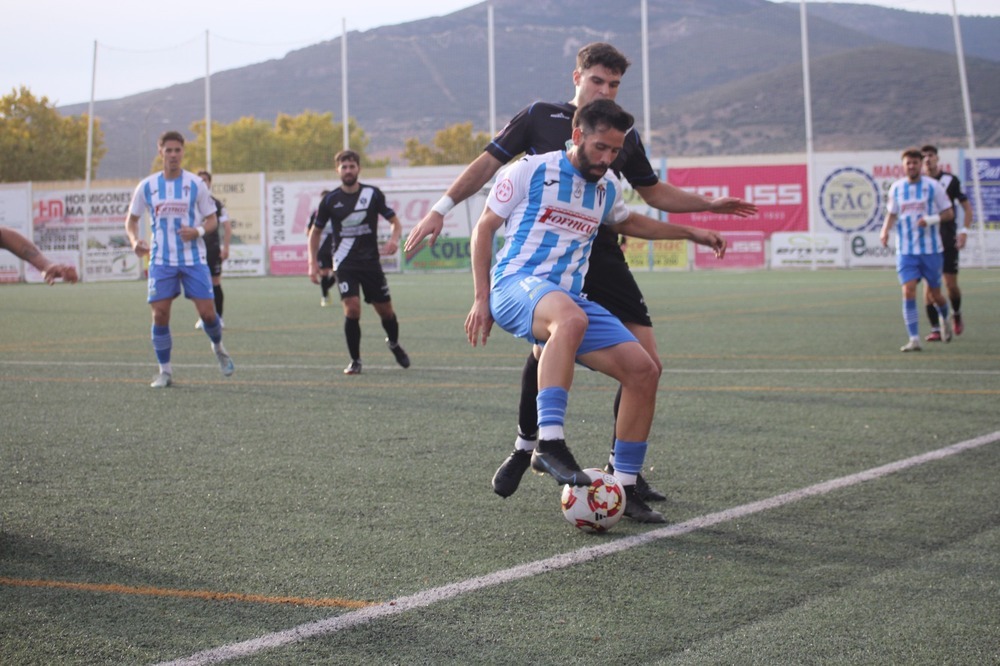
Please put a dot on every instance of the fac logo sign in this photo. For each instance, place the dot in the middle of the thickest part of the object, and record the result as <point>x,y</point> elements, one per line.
<point>850,200</point>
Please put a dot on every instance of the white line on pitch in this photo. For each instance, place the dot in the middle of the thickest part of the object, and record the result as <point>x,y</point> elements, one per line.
<point>515,368</point>
<point>428,597</point>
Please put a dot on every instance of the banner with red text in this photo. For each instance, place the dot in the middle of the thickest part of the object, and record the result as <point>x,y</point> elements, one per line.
<point>779,192</point>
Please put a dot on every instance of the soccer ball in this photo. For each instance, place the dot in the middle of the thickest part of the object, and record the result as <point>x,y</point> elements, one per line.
<point>597,507</point>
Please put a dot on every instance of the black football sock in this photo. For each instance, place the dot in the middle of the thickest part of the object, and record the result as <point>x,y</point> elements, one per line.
<point>391,326</point>
<point>527,410</point>
<point>352,331</point>
<point>618,404</point>
<point>932,316</point>
<point>218,299</point>
<point>325,283</point>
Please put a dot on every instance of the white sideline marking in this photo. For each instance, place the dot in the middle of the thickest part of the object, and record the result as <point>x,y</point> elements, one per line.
<point>515,368</point>
<point>562,561</point>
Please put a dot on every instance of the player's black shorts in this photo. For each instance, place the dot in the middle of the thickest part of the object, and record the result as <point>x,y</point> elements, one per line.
<point>213,255</point>
<point>610,283</point>
<point>949,232</point>
<point>325,254</point>
<point>373,282</point>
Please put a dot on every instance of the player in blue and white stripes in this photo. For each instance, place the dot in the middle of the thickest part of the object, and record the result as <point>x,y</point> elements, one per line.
<point>917,205</point>
<point>181,212</point>
<point>550,233</point>
<point>551,206</point>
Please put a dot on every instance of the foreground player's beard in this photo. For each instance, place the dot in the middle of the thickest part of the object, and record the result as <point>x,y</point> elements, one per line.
<point>591,172</point>
<point>349,180</point>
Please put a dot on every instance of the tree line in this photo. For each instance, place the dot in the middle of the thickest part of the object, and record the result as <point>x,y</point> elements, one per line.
<point>40,144</point>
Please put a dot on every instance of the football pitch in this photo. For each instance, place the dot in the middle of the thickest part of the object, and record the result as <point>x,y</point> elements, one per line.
<point>831,500</point>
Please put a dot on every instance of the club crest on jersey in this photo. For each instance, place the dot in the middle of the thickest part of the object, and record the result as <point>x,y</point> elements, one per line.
<point>504,190</point>
<point>570,221</point>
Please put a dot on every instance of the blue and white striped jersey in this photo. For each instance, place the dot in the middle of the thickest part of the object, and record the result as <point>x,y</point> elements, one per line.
<point>910,202</point>
<point>182,202</point>
<point>552,215</point>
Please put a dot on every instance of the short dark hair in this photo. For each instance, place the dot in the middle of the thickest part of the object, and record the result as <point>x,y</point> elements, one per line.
<point>204,175</point>
<point>913,151</point>
<point>347,156</point>
<point>928,148</point>
<point>601,53</point>
<point>602,113</point>
<point>171,135</point>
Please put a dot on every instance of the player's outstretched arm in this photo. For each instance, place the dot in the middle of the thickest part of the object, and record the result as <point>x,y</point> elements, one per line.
<point>643,226</point>
<point>670,199</point>
<point>24,249</point>
<point>470,181</point>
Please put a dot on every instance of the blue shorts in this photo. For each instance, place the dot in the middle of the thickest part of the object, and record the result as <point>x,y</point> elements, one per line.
<point>512,304</point>
<point>915,266</point>
<point>165,282</point>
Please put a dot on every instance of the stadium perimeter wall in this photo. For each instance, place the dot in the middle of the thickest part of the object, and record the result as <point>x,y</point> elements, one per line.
<point>835,226</point>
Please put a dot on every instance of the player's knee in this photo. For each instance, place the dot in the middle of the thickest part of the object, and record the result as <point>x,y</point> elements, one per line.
<point>571,325</point>
<point>649,375</point>
<point>643,372</point>
<point>657,364</point>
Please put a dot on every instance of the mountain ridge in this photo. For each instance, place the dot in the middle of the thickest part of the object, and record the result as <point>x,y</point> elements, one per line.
<point>707,58</point>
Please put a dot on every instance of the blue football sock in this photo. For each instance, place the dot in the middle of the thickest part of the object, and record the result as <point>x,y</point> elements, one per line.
<point>162,344</point>
<point>629,457</point>
<point>551,403</point>
<point>910,317</point>
<point>213,330</point>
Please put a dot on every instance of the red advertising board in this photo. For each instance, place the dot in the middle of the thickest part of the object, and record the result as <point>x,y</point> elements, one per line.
<point>744,249</point>
<point>778,191</point>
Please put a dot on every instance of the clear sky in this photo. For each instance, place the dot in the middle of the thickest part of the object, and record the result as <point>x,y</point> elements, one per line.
<point>48,45</point>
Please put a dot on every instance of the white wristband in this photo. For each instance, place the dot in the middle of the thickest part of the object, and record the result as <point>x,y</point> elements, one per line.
<point>932,219</point>
<point>201,231</point>
<point>443,205</point>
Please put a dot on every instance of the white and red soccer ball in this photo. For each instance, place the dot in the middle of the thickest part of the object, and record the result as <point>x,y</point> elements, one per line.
<point>597,507</point>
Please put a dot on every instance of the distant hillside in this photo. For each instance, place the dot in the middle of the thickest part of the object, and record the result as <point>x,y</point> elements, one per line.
<point>765,113</point>
<point>725,76</point>
<point>980,36</point>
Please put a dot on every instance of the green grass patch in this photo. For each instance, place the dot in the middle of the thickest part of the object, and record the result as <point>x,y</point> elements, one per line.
<point>292,480</point>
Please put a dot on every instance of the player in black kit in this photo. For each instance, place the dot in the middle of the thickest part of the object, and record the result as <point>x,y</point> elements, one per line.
<point>353,209</point>
<point>953,236</point>
<point>216,249</point>
<point>544,127</point>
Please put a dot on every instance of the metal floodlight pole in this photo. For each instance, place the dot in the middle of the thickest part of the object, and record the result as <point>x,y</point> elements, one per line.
<point>491,63</point>
<point>970,133</point>
<point>807,97</point>
<point>208,108</point>
<point>647,130</point>
<point>89,169</point>
<point>343,82</point>
<point>647,135</point>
